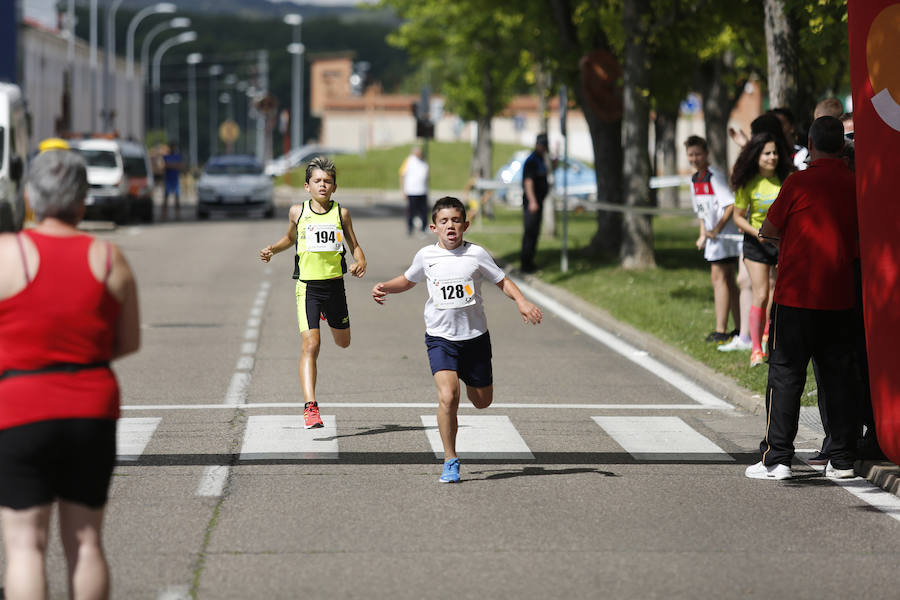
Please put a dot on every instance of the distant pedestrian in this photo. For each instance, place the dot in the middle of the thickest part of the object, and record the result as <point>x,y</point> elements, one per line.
<point>414,174</point>
<point>535,187</point>
<point>814,222</point>
<point>719,239</point>
<point>318,230</point>
<point>756,179</point>
<point>174,167</point>
<point>456,332</point>
<point>68,306</point>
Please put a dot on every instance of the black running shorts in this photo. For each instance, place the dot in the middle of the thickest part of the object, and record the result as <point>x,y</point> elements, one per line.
<point>327,298</point>
<point>61,459</point>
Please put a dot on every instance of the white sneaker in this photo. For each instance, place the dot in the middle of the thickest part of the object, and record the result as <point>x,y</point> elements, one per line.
<point>761,471</point>
<point>833,473</point>
<point>735,344</point>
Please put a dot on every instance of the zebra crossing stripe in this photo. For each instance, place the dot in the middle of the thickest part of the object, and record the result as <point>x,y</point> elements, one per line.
<point>660,438</point>
<point>480,437</point>
<point>284,437</point>
<point>133,434</point>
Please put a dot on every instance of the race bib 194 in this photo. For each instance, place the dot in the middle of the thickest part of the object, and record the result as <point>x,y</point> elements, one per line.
<point>321,237</point>
<point>452,293</point>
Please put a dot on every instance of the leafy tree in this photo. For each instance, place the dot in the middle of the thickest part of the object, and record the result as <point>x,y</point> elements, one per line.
<point>474,50</point>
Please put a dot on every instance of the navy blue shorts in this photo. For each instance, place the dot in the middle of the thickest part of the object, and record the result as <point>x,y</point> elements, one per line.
<point>471,359</point>
<point>64,459</point>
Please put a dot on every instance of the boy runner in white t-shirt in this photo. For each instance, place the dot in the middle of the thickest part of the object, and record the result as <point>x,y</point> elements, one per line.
<point>456,333</point>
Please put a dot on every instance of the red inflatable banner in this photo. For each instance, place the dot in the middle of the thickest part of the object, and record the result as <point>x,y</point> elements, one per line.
<point>874,29</point>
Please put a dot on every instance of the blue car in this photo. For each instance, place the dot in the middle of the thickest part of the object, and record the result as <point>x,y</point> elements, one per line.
<point>581,180</point>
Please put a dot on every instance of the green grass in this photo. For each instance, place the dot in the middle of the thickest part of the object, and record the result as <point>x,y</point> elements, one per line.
<point>673,302</point>
<point>379,169</point>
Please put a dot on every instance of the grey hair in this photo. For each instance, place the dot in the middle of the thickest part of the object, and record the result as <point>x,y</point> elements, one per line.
<point>57,185</point>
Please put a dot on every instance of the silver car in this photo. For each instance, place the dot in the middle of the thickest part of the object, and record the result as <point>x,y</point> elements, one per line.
<point>234,183</point>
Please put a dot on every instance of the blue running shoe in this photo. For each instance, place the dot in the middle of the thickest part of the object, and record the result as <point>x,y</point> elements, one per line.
<point>451,471</point>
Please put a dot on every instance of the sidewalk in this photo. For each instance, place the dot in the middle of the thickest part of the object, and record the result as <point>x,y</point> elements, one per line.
<point>883,474</point>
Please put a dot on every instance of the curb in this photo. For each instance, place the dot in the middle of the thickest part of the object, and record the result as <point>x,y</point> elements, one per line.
<point>881,473</point>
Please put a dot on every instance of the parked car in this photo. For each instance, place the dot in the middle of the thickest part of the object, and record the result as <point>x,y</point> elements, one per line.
<point>295,158</point>
<point>581,180</point>
<point>234,183</point>
<point>13,156</point>
<point>120,184</point>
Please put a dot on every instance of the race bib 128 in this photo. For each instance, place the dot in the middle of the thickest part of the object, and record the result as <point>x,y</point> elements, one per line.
<point>452,293</point>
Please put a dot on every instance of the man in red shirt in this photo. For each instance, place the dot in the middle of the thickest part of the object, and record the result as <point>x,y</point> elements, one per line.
<point>813,220</point>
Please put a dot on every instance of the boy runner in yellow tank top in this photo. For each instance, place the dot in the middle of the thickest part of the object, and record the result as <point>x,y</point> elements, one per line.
<point>318,231</point>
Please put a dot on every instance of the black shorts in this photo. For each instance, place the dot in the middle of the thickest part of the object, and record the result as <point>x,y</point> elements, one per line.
<point>326,298</point>
<point>728,260</point>
<point>64,459</point>
<point>471,359</point>
<point>758,252</point>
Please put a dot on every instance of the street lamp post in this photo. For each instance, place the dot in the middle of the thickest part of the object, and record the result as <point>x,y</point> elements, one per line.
<point>155,9</point>
<point>296,50</point>
<point>176,23</point>
<point>93,65</point>
<point>109,50</point>
<point>192,61</point>
<point>181,38</point>
<point>214,72</point>
<point>173,124</point>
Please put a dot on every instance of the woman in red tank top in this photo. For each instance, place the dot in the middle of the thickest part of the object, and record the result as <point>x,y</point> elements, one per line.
<point>68,306</point>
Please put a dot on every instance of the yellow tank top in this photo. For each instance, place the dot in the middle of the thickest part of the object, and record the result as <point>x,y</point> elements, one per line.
<point>320,244</point>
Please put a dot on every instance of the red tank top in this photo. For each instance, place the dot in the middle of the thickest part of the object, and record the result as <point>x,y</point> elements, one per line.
<point>64,316</point>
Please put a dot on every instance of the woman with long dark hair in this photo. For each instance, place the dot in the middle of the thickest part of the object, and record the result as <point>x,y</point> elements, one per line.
<point>758,173</point>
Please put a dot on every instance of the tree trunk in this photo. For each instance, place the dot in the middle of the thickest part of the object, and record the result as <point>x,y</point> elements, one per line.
<point>717,104</point>
<point>484,144</point>
<point>606,133</point>
<point>637,230</point>
<point>666,155</point>
<point>781,53</point>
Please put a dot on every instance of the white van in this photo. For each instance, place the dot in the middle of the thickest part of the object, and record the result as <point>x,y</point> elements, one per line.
<point>120,183</point>
<point>13,157</point>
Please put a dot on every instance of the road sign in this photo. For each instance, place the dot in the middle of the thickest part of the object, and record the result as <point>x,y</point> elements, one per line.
<point>229,131</point>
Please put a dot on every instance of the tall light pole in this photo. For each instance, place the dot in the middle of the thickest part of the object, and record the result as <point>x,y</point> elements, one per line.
<point>176,23</point>
<point>93,65</point>
<point>181,38</point>
<point>192,60</point>
<point>296,50</point>
<point>173,124</point>
<point>109,50</point>
<point>214,72</point>
<point>155,9</point>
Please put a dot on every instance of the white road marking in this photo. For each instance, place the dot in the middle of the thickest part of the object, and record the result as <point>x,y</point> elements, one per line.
<point>495,405</point>
<point>237,389</point>
<point>248,348</point>
<point>283,436</point>
<point>480,436</point>
<point>245,363</point>
<point>132,436</point>
<point>672,377</point>
<point>212,482</point>
<point>660,438</point>
<point>175,592</point>
<point>251,333</point>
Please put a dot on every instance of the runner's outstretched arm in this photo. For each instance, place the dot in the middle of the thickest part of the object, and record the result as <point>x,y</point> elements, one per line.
<point>530,313</point>
<point>396,285</point>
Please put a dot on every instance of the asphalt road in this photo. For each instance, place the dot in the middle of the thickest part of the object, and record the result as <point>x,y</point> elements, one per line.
<point>581,511</point>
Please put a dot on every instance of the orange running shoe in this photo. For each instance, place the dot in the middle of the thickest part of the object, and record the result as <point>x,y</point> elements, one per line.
<point>756,358</point>
<point>311,418</point>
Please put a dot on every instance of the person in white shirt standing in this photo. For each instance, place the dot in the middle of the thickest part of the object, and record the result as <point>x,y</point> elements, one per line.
<point>456,332</point>
<point>719,238</point>
<point>415,187</point>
